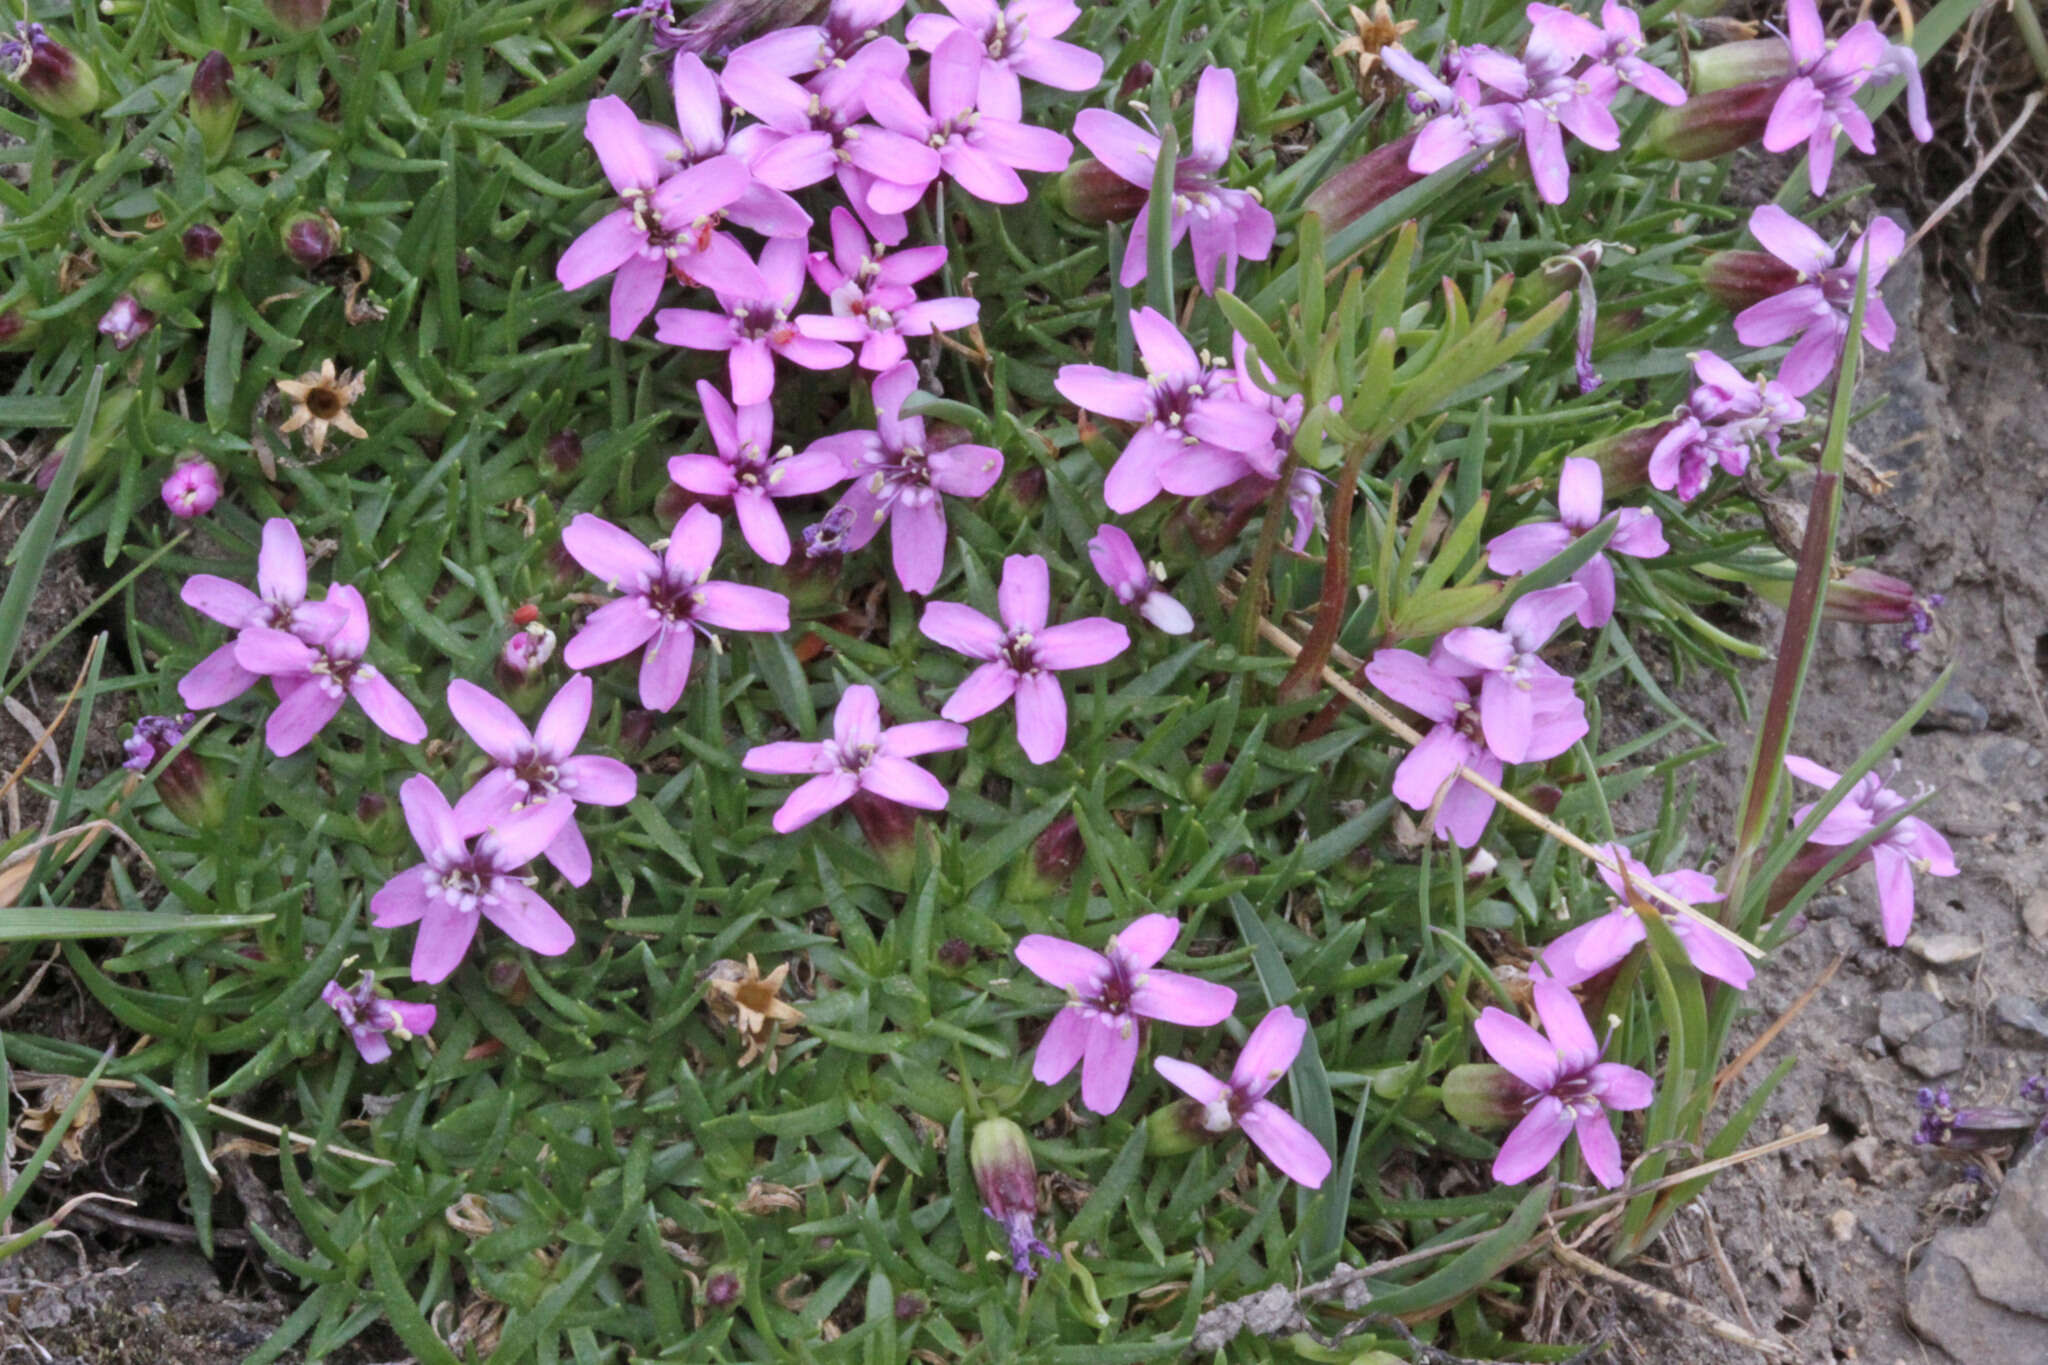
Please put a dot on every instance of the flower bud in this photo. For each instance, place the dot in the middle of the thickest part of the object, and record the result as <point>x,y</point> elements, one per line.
<point>202,243</point>
<point>1365,184</point>
<point>1624,458</point>
<point>671,502</point>
<point>48,74</point>
<point>636,728</point>
<point>106,428</point>
<point>891,831</point>
<point>1711,125</point>
<point>215,110</point>
<point>955,953</point>
<point>126,322</point>
<point>192,488</point>
<point>1008,1180</point>
<point>1201,784</point>
<point>300,16</point>
<point>505,977</point>
<point>17,331</point>
<point>310,239</point>
<point>1136,79</point>
<point>1727,65</point>
<point>1737,279</point>
<point>722,1289</point>
<point>1094,194</point>
<point>1055,853</point>
<point>524,656</point>
<point>910,1306</point>
<point>1177,1129</point>
<point>186,784</point>
<point>1482,1095</point>
<point>564,452</point>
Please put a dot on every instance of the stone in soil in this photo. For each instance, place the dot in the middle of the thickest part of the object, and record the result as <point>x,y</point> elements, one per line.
<point>2021,1022</point>
<point>1902,1014</point>
<point>1945,950</point>
<point>1981,1293</point>
<point>1938,1050</point>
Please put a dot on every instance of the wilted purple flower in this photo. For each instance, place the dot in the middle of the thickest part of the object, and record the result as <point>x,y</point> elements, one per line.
<point>202,242</point>
<point>1000,1155</point>
<point>661,225</point>
<point>1186,408</point>
<point>372,1020</point>
<point>1226,224</point>
<point>1580,500</point>
<point>1723,418</point>
<point>755,328</point>
<point>1820,99</point>
<point>539,765</point>
<point>51,76</point>
<point>667,599</point>
<point>1020,40</point>
<point>461,879</point>
<point>1570,1087</point>
<point>1241,1102</point>
<point>1527,710</point>
<point>152,738</point>
<point>981,149</point>
<point>192,489</point>
<point>899,478</point>
<point>1817,310</point>
<point>1912,845</point>
<point>860,756</point>
<point>1110,995</point>
<point>1978,1129</point>
<point>1583,953</point>
<point>1020,656</point>
<point>126,322</point>
<point>313,681</point>
<point>872,301</point>
<point>1438,694</point>
<point>749,470</point>
<point>279,602</point>
<point>1134,583</point>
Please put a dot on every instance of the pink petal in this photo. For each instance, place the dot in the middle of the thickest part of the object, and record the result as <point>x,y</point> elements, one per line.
<point>516,839</point>
<point>1536,1139</point>
<point>215,680</point>
<point>614,135</point>
<point>694,328</point>
<point>1105,392</point>
<point>444,937</point>
<point>1579,494</point>
<point>789,756</point>
<point>918,544</point>
<point>1430,764</point>
<point>981,174</point>
<point>1190,1080</point>
<point>1111,1056</point>
<point>493,797</point>
<point>636,288</point>
<point>298,718</point>
<point>1128,150</point>
<point>600,249</point>
<point>1025,594</point>
<point>665,667</point>
<point>613,631</point>
<point>1526,1054</point>
<point>281,562</point>
<point>1408,679</point>
<point>1566,1024</point>
<point>1790,240</point>
<point>693,544</point>
<point>1507,714</point>
<point>1465,810</point>
<point>1215,116</point>
<point>594,780</point>
<point>1179,999</point>
<point>752,366</point>
<point>386,706</point>
<point>1080,644</point>
<point>1894,871</point>
<point>1583,953</point>
<point>1487,651</point>
<point>1622,1087</point>
<point>1064,964</point>
<point>614,555</point>
<point>1065,1040</point>
<point>1286,1143</point>
<point>1536,616</point>
<point>1164,350</point>
<point>259,649</point>
<point>1021,145</point>
<point>813,799</point>
<point>903,781</point>
<point>1596,577</point>
<point>965,470</point>
<point>761,525</point>
<point>231,604</point>
<point>963,629</point>
<point>491,723</point>
<point>983,690</point>
<point>1138,946</point>
<point>735,606</point>
<point>1041,716</point>
<point>569,853</point>
<point>1598,1145</point>
<point>1713,955</point>
<point>528,920</point>
<point>567,715</point>
<point>1797,116</point>
<point>923,737</point>
<point>403,899</point>
<point>1271,1049</point>
<point>1526,547</point>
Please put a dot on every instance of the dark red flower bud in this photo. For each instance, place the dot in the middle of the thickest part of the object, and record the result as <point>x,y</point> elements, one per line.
<point>300,16</point>
<point>49,75</point>
<point>310,239</point>
<point>202,243</point>
<point>564,452</point>
<point>1737,279</point>
<point>1715,123</point>
<point>1364,185</point>
<point>1093,193</point>
<point>722,1290</point>
<point>215,111</point>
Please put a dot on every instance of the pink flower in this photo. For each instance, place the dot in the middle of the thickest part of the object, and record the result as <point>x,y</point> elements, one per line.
<point>1241,1103</point>
<point>1580,498</point>
<point>763,206</point>
<point>845,30</point>
<point>192,489</point>
<point>1020,656</point>
<point>898,478</point>
<point>1725,415</point>
<point>981,149</point>
<point>1817,309</point>
<point>1110,995</point>
<point>1616,41</point>
<point>1227,225</point>
<point>860,756</point>
<point>751,472</point>
<point>1019,39</point>
<point>314,681</point>
<point>460,880</point>
<point>1438,693</point>
<point>1527,710</point>
<point>279,602</point>
<point>538,765</point>
<point>755,328</point>
<point>1135,585</point>
<point>368,1017</point>
<point>1820,99</point>
<point>1554,93</point>
<point>661,225</point>
<point>872,301</point>
<point>1462,120</point>
<point>1912,845</point>
<point>1583,953</point>
<point>1188,411</point>
<point>127,322</point>
<point>667,599</point>
<point>1570,1087</point>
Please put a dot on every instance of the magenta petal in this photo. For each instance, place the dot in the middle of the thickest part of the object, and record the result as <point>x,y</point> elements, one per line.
<point>1506,714</point>
<point>736,606</point>
<point>789,756</point>
<point>570,854</point>
<point>1215,116</point>
<point>613,631</point>
<point>231,604</point>
<point>299,717</point>
<point>489,722</point>
<point>444,937</point>
<point>923,737</point>
<point>1061,963</point>
<point>516,839</point>
<point>1065,1040</point>
<point>1429,765</point>
<point>493,797</point>
<point>665,667</point>
<point>1527,547</point>
<point>1408,679</point>
<point>1080,644</point>
<point>1894,871</point>
<point>215,680</point>
<point>903,781</point>
<point>1271,1049</point>
<point>1190,1080</point>
<point>274,653</point>
<point>1111,1056</point>
<point>1599,1147</point>
<point>1024,597</point>
<point>1527,1054</point>
<point>614,555</point>
<point>636,288</point>
<point>1465,810</point>
<point>813,799</point>
<point>1128,150</point>
<point>1622,1087</point>
<point>1287,1143</point>
<point>1139,945</point>
<point>1593,947</point>
<point>561,725</point>
<point>761,525</point>
<point>1536,1139</point>
<point>1041,716</point>
<point>386,706</point>
<point>917,540</point>
<point>1105,392</point>
<point>526,919</point>
<point>403,899</point>
<point>602,247</point>
<point>1566,1024</point>
<point>1179,999</point>
<point>963,629</point>
<point>981,692</point>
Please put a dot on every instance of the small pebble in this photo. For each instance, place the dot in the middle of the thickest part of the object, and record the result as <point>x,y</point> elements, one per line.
<point>1841,1225</point>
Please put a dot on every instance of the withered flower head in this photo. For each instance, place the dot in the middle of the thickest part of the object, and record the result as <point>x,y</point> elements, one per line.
<point>1374,31</point>
<point>743,999</point>
<point>321,399</point>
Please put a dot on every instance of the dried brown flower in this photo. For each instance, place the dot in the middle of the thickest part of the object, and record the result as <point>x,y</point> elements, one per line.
<point>743,999</point>
<point>320,400</point>
<point>1374,31</point>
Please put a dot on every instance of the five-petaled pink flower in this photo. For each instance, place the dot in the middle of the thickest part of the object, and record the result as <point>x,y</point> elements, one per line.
<point>1556,91</point>
<point>1817,309</point>
<point>750,471</point>
<point>1580,498</point>
<point>1583,953</point>
<point>898,478</point>
<point>460,880</point>
<point>1227,225</point>
<point>1241,1102</point>
<point>1528,711</point>
<point>763,206</point>
<point>370,1017</point>
<point>755,328</point>
<point>1186,408</point>
<point>1020,39</point>
<point>661,225</point>
<point>872,301</point>
<point>1616,41</point>
<point>1124,570</point>
<point>1461,118</point>
<point>1910,845</point>
<point>860,756</point>
<point>1569,1087</point>
<point>1020,656</point>
<point>667,599</point>
<point>1820,99</point>
<point>845,29</point>
<point>539,765</point>
<point>279,602</point>
<point>313,681</point>
<point>1110,995</point>
<point>981,149</point>
<point>1444,696</point>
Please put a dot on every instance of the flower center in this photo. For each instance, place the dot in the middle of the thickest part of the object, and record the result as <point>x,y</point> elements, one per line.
<point>762,322</point>
<point>1021,653</point>
<point>541,778</point>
